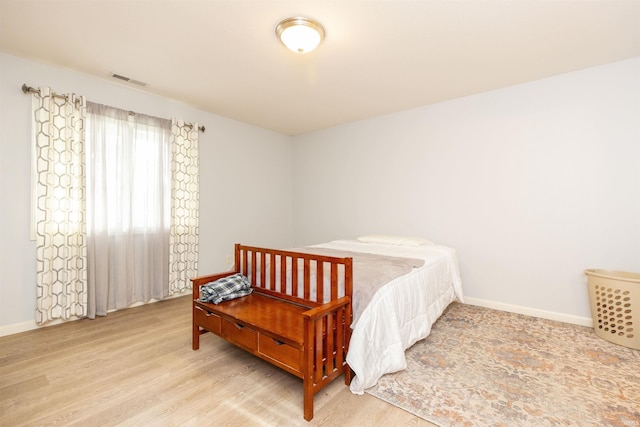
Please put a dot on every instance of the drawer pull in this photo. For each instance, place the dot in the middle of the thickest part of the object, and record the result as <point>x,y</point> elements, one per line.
<point>277,342</point>
<point>238,326</point>
<point>206,313</point>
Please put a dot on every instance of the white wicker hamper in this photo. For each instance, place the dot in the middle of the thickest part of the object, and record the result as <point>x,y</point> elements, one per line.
<point>615,306</point>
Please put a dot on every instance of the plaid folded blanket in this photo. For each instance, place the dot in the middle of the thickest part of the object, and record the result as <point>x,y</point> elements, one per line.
<point>227,288</point>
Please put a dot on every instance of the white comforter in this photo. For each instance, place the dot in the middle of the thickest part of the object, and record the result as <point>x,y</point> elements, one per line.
<point>402,311</point>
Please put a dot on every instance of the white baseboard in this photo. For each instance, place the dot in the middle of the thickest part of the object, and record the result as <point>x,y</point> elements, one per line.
<point>560,317</point>
<point>29,325</point>
<point>16,328</point>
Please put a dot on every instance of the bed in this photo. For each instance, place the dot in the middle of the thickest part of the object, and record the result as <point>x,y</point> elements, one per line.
<point>402,311</point>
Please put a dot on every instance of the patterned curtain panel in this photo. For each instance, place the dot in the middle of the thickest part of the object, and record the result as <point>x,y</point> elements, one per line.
<point>183,239</point>
<point>61,245</point>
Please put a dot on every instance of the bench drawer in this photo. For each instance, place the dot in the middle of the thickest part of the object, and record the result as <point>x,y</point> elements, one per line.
<point>240,334</point>
<point>206,320</point>
<point>281,352</point>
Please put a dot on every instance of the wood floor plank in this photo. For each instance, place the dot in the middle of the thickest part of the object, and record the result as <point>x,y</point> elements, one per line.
<point>135,367</point>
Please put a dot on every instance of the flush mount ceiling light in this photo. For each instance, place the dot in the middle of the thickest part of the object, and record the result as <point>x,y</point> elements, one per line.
<point>300,35</point>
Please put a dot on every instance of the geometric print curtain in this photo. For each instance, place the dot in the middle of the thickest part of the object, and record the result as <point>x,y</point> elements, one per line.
<point>59,202</point>
<point>184,229</point>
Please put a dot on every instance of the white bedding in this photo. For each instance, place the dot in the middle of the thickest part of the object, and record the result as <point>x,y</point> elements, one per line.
<point>402,311</point>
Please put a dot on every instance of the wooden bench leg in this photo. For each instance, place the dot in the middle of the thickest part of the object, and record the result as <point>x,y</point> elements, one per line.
<point>348,375</point>
<point>195,341</point>
<point>195,337</point>
<point>308,398</point>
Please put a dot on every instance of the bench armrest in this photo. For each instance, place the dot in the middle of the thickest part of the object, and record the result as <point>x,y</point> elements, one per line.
<point>324,309</point>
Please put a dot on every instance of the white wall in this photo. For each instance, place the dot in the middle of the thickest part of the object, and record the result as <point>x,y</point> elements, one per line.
<point>531,184</point>
<point>236,206</point>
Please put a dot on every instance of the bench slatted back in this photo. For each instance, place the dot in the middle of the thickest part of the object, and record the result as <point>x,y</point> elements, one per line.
<point>302,278</point>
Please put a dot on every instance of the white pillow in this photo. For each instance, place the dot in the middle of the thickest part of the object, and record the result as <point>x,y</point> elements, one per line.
<point>394,240</point>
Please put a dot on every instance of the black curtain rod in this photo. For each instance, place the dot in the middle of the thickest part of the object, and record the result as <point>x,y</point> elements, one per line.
<point>28,89</point>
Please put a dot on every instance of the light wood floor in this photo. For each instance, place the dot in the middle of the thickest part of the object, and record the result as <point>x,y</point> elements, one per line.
<point>135,367</point>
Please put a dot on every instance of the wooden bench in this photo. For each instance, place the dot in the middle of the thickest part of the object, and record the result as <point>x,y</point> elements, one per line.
<point>288,320</point>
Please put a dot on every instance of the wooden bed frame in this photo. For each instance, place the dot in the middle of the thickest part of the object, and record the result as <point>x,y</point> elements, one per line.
<point>281,321</point>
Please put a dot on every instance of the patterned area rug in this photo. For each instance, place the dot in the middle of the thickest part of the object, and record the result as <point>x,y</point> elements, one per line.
<point>483,367</point>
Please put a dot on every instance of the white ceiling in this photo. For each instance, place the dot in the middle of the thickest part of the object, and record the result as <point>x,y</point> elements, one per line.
<point>378,57</point>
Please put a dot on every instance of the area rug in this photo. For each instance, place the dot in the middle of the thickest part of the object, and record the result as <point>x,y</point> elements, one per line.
<point>483,367</point>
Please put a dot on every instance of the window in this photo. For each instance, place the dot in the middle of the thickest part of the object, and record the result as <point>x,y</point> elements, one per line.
<point>115,206</point>
<point>128,171</point>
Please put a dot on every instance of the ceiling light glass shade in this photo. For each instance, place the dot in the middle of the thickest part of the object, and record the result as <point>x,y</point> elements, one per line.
<point>301,35</point>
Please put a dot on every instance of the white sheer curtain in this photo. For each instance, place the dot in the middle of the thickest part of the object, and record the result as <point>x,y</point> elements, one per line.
<point>59,205</point>
<point>128,206</point>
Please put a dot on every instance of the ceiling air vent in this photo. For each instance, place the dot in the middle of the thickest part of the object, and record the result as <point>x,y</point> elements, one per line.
<point>127,79</point>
